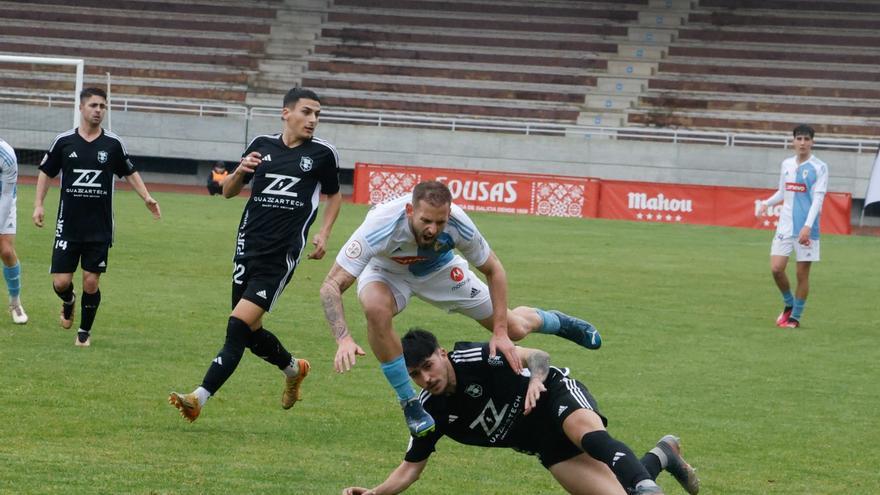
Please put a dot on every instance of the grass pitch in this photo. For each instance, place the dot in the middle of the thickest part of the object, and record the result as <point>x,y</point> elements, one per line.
<point>686,314</point>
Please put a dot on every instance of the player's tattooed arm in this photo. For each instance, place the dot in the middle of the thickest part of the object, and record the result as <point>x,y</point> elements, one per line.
<point>538,363</point>
<point>337,281</point>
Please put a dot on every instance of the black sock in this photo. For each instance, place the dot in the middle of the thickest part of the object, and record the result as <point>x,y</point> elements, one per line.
<point>652,465</point>
<point>65,295</point>
<point>268,348</point>
<point>626,466</point>
<point>89,308</point>
<point>237,336</point>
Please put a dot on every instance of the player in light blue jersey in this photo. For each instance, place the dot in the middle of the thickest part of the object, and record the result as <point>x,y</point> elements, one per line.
<point>404,248</point>
<point>11,266</point>
<point>803,182</point>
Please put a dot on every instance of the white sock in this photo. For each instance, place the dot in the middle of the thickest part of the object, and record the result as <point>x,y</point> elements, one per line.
<point>292,369</point>
<point>664,461</point>
<point>203,395</point>
<point>14,301</point>
<point>645,483</point>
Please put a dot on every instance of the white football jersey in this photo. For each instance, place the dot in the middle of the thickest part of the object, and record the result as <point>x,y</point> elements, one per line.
<point>802,188</point>
<point>385,236</point>
<point>8,178</point>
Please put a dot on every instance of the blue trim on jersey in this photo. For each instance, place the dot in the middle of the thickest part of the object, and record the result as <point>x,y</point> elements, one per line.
<point>381,233</point>
<point>806,174</point>
<point>10,159</point>
<point>436,256</point>
<point>466,232</point>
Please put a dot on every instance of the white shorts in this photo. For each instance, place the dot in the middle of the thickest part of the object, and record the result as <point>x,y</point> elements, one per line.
<point>8,225</point>
<point>784,246</point>
<point>454,288</point>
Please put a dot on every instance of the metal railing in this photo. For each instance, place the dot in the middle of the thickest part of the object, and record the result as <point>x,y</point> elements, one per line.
<point>380,119</point>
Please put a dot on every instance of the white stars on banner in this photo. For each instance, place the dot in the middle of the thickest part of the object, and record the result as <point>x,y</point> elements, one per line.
<point>659,217</point>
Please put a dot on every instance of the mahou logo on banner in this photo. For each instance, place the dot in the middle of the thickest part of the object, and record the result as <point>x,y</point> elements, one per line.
<point>650,202</point>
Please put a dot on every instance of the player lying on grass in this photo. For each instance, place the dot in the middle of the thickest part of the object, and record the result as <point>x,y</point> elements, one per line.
<point>479,400</point>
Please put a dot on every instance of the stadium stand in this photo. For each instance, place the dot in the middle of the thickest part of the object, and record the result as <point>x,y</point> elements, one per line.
<point>759,66</point>
<point>175,50</point>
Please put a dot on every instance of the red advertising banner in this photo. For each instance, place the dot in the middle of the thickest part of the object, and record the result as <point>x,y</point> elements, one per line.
<point>561,196</point>
<point>708,205</point>
<point>546,195</point>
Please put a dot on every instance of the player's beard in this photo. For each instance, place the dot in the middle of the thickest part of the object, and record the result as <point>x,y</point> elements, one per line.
<point>420,238</point>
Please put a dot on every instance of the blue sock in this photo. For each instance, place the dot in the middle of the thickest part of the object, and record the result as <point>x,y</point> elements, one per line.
<point>550,322</point>
<point>798,308</point>
<point>788,298</point>
<point>395,373</point>
<point>12,274</point>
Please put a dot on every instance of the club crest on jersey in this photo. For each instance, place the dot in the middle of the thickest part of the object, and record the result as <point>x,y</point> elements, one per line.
<point>305,163</point>
<point>102,156</point>
<point>474,390</point>
<point>353,250</point>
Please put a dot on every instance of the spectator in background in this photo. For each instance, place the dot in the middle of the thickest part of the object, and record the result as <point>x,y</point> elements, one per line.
<point>216,177</point>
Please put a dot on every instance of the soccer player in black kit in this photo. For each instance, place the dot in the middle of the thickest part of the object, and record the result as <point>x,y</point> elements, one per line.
<point>87,157</point>
<point>479,400</point>
<point>288,173</point>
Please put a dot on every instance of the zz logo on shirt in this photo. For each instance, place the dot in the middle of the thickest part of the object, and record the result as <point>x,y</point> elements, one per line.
<point>281,185</point>
<point>87,178</point>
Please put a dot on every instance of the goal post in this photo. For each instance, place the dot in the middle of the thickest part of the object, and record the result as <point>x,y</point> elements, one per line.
<point>76,62</point>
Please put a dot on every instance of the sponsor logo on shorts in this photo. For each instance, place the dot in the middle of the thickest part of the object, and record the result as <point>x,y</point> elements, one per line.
<point>796,186</point>
<point>353,250</point>
<point>102,264</point>
<point>561,410</point>
<point>474,292</point>
<point>456,274</point>
<point>262,293</point>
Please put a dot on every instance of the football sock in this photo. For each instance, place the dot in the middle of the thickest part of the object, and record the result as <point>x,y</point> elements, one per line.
<point>395,373</point>
<point>653,463</point>
<point>292,369</point>
<point>267,347</point>
<point>550,322</point>
<point>626,466</point>
<point>89,306</point>
<point>788,298</point>
<point>65,295</point>
<point>222,367</point>
<point>798,308</point>
<point>203,395</point>
<point>12,274</point>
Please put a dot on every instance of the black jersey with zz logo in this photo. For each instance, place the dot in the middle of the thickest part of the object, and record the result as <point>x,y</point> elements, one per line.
<point>85,212</point>
<point>486,408</point>
<point>285,190</point>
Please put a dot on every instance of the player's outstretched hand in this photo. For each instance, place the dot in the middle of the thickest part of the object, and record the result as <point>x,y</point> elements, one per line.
<point>153,206</point>
<point>38,216</point>
<point>505,346</point>
<point>319,241</point>
<point>357,490</point>
<point>533,394</point>
<point>346,354</point>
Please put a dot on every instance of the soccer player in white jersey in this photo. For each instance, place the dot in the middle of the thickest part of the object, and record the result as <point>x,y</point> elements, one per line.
<point>405,248</point>
<point>803,182</point>
<point>11,266</point>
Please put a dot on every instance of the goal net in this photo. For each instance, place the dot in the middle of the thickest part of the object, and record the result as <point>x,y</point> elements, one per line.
<point>38,100</point>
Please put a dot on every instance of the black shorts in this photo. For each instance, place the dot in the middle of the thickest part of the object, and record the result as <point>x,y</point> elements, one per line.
<point>66,255</point>
<point>261,280</point>
<point>564,396</point>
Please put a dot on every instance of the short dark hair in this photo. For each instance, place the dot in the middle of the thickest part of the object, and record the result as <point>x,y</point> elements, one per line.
<point>433,192</point>
<point>803,130</point>
<point>418,345</point>
<point>295,94</point>
<point>87,93</point>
